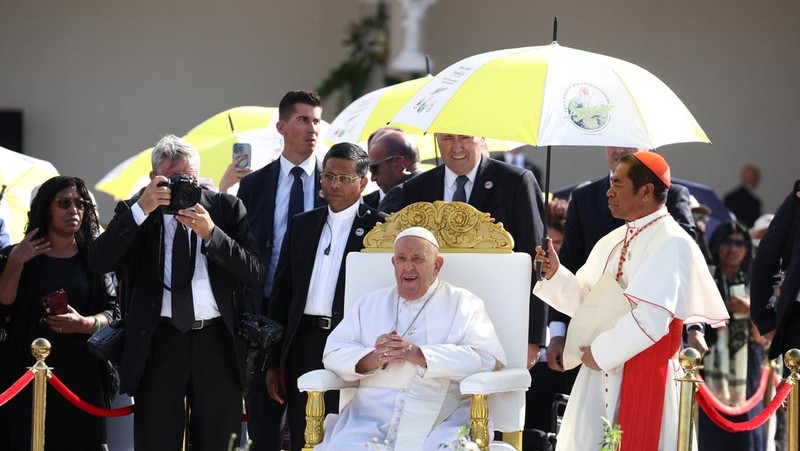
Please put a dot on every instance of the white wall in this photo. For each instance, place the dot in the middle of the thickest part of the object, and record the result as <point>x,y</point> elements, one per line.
<point>101,80</point>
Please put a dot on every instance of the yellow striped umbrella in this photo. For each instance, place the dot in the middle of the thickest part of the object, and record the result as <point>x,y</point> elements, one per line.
<point>214,139</point>
<point>20,174</point>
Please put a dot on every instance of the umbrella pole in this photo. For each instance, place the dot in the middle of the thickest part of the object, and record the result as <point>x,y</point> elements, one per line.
<point>537,265</point>
<point>436,149</point>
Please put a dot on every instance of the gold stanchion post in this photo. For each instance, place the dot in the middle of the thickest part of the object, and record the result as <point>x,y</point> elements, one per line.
<point>792,360</point>
<point>40,348</point>
<point>690,361</point>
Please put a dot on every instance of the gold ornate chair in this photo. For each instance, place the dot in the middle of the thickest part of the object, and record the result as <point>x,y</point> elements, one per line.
<point>478,256</point>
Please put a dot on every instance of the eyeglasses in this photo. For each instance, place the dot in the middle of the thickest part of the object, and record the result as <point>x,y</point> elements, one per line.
<point>329,177</point>
<point>731,242</point>
<point>374,166</point>
<point>65,203</point>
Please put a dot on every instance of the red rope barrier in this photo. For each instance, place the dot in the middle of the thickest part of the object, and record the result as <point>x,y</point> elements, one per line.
<point>83,405</point>
<point>16,387</point>
<point>750,404</point>
<point>757,421</point>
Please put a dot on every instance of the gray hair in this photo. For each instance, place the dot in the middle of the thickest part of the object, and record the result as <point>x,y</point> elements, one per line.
<point>174,149</point>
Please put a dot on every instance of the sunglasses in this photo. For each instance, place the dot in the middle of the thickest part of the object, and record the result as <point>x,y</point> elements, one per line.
<point>329,177</point>
<point>732,242</point>
<point>374,166</point>
<point>65,203</point>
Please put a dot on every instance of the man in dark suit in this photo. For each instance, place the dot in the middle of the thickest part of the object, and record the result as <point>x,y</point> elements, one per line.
<point>393,159</point>
<point>588,220</point>
<point>183,307</point>
<point>308,295</point>
<point>777,312</point>
<point>742,201</point>
<point>267,194</point>
<point>510,194</point>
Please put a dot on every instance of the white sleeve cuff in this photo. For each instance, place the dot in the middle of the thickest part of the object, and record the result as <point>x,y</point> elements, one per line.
<point>138,213</point>
<point>557,329</point>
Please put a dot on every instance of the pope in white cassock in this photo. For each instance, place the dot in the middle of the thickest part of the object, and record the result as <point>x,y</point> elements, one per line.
<point>409,346</point>
<point>655,275</point>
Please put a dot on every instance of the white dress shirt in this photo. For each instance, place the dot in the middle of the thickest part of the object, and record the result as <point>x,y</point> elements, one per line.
<point>280,220</point>
<point>205,306</point>
<point>328,261</point>
<point>450,182</point>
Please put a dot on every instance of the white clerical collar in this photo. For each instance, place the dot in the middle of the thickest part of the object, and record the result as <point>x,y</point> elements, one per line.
<point>644,220</point>
<point>344,215</point>
<point>450,176</point>
<point>430,292</point>
<point>307,166</point>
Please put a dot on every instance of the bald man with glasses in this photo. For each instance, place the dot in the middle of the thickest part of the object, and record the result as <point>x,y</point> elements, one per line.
<point>393,159</point>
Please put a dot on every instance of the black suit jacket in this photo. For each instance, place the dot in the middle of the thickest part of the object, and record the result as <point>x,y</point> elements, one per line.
<point>744,204</point>
<point>782,241</point>
<point>393,200</point>
<point>373,199</point>
<point>137,252</point>
<point>258,191</point>
<point>512,196</point>
<point>296,264</point>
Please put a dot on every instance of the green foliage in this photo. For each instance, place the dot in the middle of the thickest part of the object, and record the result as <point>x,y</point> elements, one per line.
<point>612,436</point>
<point>232,441</point>
<point>462,443</point>
<point>367,42</point>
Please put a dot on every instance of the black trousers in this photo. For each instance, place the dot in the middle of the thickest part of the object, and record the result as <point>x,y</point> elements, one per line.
<point>305,355</point>
<point>265,423</point>
<point>197,365</point>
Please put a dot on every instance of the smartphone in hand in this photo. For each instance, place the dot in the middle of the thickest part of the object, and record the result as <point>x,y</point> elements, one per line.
<point>55,303</point>
<point>243,149</point>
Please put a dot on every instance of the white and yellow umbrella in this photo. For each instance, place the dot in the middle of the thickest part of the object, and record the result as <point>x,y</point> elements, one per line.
<point>20,174</point>
<point>214,139</point>
<point>552,95</point>
<point>373,110</point>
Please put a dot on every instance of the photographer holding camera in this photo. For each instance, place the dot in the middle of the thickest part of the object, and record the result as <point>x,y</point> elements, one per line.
<point>183,255</point>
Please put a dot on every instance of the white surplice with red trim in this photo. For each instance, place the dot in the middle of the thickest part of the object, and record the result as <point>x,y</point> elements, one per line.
<point>664,276</point>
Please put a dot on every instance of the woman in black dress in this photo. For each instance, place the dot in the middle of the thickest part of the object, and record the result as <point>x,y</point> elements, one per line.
<point>52,256</point>
<point>732,367</point>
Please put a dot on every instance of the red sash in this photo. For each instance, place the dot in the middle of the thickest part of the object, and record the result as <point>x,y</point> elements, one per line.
<point>641,402</point>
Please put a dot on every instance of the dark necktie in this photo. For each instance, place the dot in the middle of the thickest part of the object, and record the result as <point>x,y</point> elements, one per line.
<point>461,194</point>
<point>182,308</point>
<point>296,194</point>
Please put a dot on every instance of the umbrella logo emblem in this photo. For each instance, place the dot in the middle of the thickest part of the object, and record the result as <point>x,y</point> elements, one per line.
<point>587,106</point>
<point>427,104</point>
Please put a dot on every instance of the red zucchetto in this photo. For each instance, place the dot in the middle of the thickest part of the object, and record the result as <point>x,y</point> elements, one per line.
<point>655,163</point>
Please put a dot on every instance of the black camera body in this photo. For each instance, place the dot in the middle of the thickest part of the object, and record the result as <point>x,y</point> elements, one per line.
<point>262,335</point>
<point>184,193</point>
<point>259,331</point>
